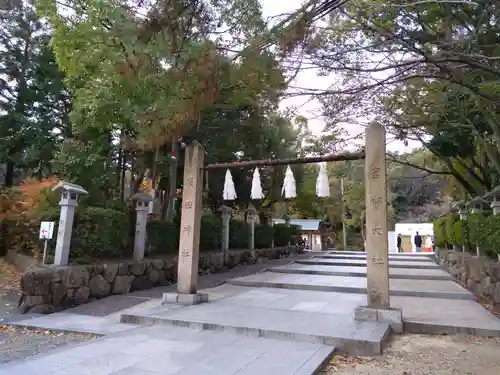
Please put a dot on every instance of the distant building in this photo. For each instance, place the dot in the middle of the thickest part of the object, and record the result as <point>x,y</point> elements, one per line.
<point>408,231</point>
<point>310,229</point>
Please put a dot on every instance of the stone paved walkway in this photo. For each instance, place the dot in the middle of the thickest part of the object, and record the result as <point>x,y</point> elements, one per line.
<point>262,327</point>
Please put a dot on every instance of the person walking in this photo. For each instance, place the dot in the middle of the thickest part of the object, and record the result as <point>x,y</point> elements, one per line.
<point>417,240</point>
<point>399,243</point>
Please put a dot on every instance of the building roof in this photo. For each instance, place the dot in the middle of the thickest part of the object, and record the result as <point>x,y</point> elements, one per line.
<point>304,224</point>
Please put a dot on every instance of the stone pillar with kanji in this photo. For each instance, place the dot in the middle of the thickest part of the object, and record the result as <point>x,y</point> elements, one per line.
<point>189,242</point>
<point>377,244</point>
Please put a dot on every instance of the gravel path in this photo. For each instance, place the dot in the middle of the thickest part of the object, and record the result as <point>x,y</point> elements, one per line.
<point>425,355</point>
<point>18,344</point>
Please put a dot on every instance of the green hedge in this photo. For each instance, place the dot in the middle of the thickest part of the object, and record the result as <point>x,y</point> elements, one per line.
<point>480,229</point>
<point>163,237</point>
<point>239,234</point>
<point>449,229</point>
<point>263,236</point>
<point>104,233</point>
<point>283,234</point>
<point>461,233</point>
<point>98,233</point>
<point>440,232</point>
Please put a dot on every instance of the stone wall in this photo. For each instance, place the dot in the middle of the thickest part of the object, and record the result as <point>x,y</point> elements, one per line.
<point>55,288</point>
<point>481,275</point>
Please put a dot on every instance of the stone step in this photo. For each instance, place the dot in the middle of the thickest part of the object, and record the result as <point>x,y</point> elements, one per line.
<point>181,351</point>
<point>341,331</point>
<point>403,255</point>
<point>394,273</point>
<point>346,284</point>
<point>362,262</point>
<point>392,257</point>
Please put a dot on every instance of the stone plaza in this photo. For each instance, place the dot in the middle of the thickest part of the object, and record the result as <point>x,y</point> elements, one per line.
<point>289,319</point>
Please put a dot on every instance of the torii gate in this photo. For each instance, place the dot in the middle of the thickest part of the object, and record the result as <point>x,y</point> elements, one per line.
<point>378,305</point>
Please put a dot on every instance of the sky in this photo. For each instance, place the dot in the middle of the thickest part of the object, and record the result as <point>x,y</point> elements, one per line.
<point>310,108</point>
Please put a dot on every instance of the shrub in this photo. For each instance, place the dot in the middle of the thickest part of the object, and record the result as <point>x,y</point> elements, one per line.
<point>20,209</point>
<point>210,233</point>
<point>263,236</point>
<point>461,234</point>
<point>449,222</point>
<point>478,228</point>
<point>491,241</point>
<point>163,237</point>
<point>239,234</point>
<point>294,234</point>
<point>440,232</point>
<point>282,234</point>
<point>98,233</point>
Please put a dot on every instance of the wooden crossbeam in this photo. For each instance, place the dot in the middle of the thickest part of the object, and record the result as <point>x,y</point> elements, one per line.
<point>307,160</point>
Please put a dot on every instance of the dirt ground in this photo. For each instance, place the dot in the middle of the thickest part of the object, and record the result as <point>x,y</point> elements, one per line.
<point>20,343</point>
<point>425,355</point>
<point>9,277</point>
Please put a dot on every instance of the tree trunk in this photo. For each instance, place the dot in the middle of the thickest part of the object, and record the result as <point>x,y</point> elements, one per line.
<point>119,168</point>
<point>172,188</point>
<point>9,173</point>
<point>122,175</point>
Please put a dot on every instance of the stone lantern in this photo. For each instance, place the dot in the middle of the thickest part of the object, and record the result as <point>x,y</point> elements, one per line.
<point>68,202</point>
<point>494,195</point>
<point>251,217</point>
<point>226,218</point>
<point>462,210</point>
<point>477,205</point>
<point>269,216</point>
<point>142,209</point>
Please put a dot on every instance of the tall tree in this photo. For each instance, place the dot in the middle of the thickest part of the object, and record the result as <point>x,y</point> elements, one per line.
<point>158,67</point>
<point>438,58</point>
<point>34,104</point>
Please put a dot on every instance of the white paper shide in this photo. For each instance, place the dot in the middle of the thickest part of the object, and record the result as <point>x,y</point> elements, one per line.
<point>256,192</point>
<point>229,193</point>
<point>289,189</point>
<point>322,184</point>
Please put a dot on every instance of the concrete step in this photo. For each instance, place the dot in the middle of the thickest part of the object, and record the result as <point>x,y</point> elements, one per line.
<point>342,331</point>
<point>362,263</point>
<point>394,273</point>
<point>347,284</point>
